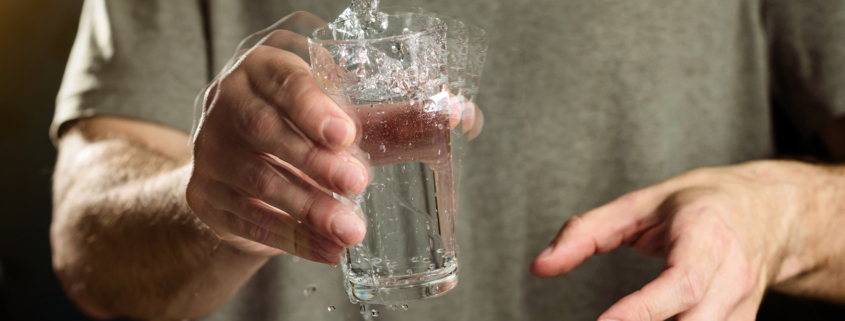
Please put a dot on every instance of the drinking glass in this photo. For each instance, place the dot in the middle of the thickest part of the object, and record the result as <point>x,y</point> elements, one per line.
<point>395,85</point>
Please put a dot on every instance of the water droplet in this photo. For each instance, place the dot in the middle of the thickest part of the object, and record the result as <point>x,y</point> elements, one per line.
<point>392,307</point>
<point>439,126</point>
<point>441,251</point>
<point>361,72</point>
<point>342,63</point>
<point>309,290</point>
<point>331,308</point>
<point>375,313</point>
<point>431,267</point>
<point>403,169</point>
<point>406,31</point>
<point>409,271</point>
<point>362,309</point>
<point>404,306</point>
<point>415,259</point>
<point>426,260</point>
<point>382,149</point>
<point>376,260</point>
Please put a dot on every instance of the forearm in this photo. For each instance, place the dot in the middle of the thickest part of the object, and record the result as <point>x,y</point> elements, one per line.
<point>125,242</point>
<point>816,266</point>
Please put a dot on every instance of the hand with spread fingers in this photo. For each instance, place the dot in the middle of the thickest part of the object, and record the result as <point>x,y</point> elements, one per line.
<point>728,234</point>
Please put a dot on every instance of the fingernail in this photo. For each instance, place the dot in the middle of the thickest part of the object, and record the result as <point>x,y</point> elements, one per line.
<point>337,132</point>
<point>348,177</point>
<point>547,252</point>
<point>347,228</point>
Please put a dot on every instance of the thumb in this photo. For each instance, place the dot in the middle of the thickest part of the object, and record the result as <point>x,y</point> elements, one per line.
<point>598,231</point>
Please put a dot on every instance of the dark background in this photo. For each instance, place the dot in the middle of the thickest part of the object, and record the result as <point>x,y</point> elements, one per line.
<point>35,39</point>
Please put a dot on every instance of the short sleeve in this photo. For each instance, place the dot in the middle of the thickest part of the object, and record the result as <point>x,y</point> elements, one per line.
<point>807,42</point>
<point>138,59</point>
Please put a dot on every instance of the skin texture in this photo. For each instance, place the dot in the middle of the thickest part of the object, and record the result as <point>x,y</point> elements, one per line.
<point>151,224</point>
<point>728,235</point>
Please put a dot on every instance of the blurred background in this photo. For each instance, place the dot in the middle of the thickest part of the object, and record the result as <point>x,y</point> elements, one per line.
<point>35,39</point>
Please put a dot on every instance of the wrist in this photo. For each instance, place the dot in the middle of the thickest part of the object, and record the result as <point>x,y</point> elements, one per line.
<point>815,243</point>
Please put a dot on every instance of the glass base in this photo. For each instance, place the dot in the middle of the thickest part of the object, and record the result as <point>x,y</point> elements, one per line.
<point>403,290</point>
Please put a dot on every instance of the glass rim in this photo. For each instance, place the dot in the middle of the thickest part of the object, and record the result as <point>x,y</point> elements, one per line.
<point>437,23</point>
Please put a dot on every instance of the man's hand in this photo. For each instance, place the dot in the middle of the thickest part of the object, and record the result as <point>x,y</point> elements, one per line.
<point>726,233</point>
<point>271,106</point>
<point>273,146</point>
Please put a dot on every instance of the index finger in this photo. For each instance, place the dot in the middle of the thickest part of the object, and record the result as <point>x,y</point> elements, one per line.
<point>607,227</point>
<point>284,80</point>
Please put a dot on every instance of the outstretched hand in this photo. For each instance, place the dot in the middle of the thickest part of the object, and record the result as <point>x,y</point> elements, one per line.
<point>726,234</point>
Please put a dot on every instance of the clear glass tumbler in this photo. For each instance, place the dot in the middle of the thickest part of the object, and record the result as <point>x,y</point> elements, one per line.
<point>394,84</point>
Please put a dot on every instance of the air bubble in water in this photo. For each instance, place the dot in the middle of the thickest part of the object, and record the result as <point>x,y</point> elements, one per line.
<point>404,306</point>
<point>375,312</point>
<point>415,259</point>
<point>309,290</point>
<point>440,126</point>
<point>382,149</point>
<point>392,307</point>
<point>331,308</point>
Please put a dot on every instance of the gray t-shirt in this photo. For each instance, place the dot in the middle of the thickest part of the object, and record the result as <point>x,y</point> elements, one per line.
<point>583,100</point>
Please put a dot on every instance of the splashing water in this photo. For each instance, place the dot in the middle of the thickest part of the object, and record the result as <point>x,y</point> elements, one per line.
<point>360,20</point>
<point>309,290</point>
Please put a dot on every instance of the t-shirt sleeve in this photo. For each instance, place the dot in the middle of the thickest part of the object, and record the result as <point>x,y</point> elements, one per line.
<point>137,59</point>
<point>807,41</point>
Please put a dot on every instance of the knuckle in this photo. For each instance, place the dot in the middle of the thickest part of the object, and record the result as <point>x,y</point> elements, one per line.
<point>261,124</point>
<point>631,199</point>
<point>289,76</point>
<point>280,37</point>
<point>692,287</point>
<point>258,234</point>
<point>310,209</point>
<point>257,55</point>
<point>261,181</point>
<point>263,219</point>
<point>311,160</point>
<point>575,224</point>
<point>644,312</point>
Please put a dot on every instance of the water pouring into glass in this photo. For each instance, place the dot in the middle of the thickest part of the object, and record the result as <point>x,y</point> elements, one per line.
<point>403,75</point>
